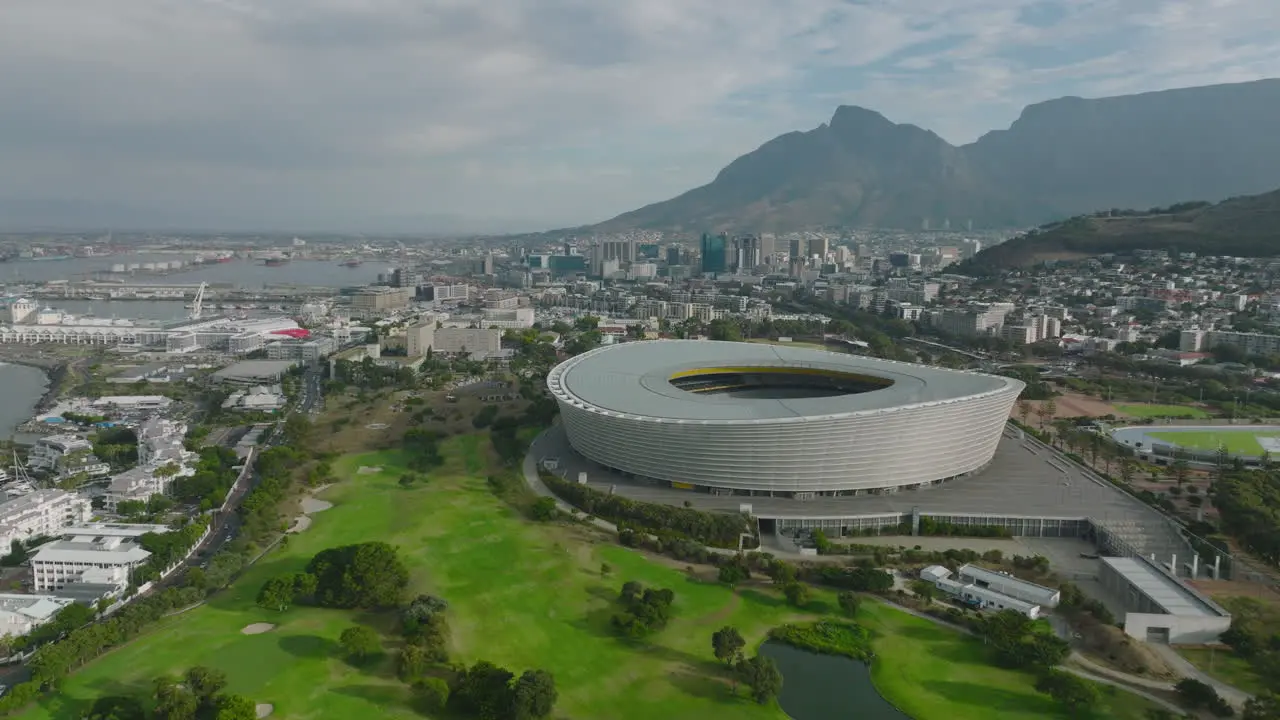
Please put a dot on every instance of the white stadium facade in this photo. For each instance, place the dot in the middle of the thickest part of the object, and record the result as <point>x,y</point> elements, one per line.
<point>779,421</point>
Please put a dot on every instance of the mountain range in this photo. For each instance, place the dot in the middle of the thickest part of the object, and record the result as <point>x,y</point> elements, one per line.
<point>1060,158</point>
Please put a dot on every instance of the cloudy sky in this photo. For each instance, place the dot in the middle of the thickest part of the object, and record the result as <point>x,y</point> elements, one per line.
<point>527,114</point>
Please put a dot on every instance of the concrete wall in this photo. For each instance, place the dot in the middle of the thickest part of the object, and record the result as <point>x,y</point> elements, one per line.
<point>1183,629</point>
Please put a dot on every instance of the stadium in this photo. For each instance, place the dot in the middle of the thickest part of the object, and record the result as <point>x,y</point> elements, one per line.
<point>763,420</point>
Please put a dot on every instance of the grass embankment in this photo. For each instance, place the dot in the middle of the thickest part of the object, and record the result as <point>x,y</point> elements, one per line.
<point>1238,441</point>
<point>525,595</point>
<point>1223,664</point>
<point>1149,410</point>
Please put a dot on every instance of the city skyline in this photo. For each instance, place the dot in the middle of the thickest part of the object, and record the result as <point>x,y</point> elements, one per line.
<point>398,116</point>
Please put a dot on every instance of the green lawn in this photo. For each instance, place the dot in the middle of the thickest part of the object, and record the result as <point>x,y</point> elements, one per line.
<point>1147,410</point>
<point>524,596</point>
<point>929,672</point>
<point>1241,441</point>
<point>1225,666</point>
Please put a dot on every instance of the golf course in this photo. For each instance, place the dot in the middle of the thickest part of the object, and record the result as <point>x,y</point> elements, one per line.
<point>528,595</point>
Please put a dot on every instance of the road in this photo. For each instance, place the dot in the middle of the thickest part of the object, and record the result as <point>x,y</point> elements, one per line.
<point>310,399</point>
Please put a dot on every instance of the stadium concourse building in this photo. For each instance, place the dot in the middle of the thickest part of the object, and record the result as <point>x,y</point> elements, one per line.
<point>776,421</point>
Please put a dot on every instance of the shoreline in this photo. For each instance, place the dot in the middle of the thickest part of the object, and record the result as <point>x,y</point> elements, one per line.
<point>54,370</point>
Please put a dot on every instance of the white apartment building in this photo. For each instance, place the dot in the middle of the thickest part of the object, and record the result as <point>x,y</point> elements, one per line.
<point>51,451</point>
<point>159,445</point>
<point>1249,343</point>
<point>98,553</point>
<point>41,513</point>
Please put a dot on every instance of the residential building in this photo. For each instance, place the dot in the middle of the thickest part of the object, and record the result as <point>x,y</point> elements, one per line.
<point>1249,343</point>
<point>40,514</point>
<point>467,340</point>
<point>64,456</point>
<point>381,299</point>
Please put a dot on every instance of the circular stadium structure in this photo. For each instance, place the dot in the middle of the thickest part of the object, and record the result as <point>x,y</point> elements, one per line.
<point>784,421</point>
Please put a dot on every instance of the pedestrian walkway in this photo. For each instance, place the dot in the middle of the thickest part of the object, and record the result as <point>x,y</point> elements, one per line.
<point>1232,694</point>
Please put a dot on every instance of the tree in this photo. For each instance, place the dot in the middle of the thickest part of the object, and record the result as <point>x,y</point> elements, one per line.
<point>205,683</point>
<point>544,509</point>
<point>781,572</point>
<point>1263,707</point>
<point>412,664</point>
<point>727,644</point>
<point>484,690</point>
<point>849,602</point>
<point>433,693</point>
<point>605,569</point>
<point>117,707</point>
<point>762,676</point>
<point>924,590</point>
<point>359,643</point>
<point>276,594</point>
<point>368,575</point>
<point>236,707</point>
<point>797,594</point>
<point>533,695</point>
<point>407,480</point>
<point>1024,410</point>
<point>1071,692</point>
<point>174,701</point>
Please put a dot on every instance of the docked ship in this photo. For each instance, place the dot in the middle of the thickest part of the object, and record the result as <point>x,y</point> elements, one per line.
<point>275,261</point>
<point>352,263</point>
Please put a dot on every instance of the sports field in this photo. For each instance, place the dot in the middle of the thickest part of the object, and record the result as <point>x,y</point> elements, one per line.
<point>1146,410</point>
<point>524,596</point>
<point>1237,441</point>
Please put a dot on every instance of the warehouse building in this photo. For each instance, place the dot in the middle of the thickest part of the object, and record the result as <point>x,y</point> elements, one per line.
<point>1160,607</point>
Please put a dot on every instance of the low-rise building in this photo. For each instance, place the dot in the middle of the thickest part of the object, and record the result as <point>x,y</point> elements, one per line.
<point>100,554</point>
<point>262,398</point>
<point>1160,607</point>
<point>20,614</point>
<point>969,589</point>
<point>40,514</point>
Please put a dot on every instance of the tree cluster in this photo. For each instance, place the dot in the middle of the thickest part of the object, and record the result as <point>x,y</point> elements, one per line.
<point>426,635</point>
<point>1198,695</point>
<point>489,692</point>
<point>199,694</point>
<point>168,548</point>
<point>1019,643</point>
<point>367,575</point>
<point>644,610</point>
<point>215,473</point>
<point>423,448</point>
<point>715,529</point>
<point>1249,505</point>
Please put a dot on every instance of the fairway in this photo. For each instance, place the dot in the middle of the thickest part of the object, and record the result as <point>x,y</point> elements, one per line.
<point>1146,410</point>
<point>525,595</point>
<point>1242,441</point>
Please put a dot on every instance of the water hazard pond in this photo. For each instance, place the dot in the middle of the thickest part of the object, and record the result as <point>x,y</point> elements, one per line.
<point>827,687</point>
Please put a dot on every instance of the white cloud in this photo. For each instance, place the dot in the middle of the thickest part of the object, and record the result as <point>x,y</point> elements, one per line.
<point>343,112</point>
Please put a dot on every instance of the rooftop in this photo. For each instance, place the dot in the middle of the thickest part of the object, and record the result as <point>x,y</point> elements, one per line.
<point>1171,595</point>
<point>635,379</point>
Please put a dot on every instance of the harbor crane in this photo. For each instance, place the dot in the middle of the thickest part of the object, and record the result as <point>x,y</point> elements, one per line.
<point>197,305</point>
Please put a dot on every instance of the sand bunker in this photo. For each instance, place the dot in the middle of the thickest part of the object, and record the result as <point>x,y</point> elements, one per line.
<point>264,709</point>
<point>300,523</point>
<point>377,426</point>
<point>366,470</point>
<point>257,628</point>
<point>312,505</point>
